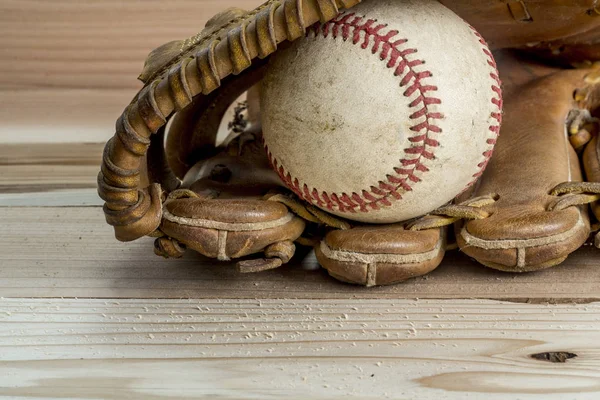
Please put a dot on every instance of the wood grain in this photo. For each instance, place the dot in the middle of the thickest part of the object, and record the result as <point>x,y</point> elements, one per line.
<point>68,68</point>
<point>93,44</point>
<point>317,349</point>
<point>71,252</point>
<point>53,198</point>
<point>51,115</point>
<point>46,167</point>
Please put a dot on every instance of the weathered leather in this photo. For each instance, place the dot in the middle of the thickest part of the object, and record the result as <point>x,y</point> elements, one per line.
<point>588,97</point>
<point>591,163</point>
<point>181,79</point>
<point>239,211</point>
<point>177,73</point>
<point>229,229</point>
<point>381,255</point>
<point>234,176</point>
<point>228,218</point>
<point>533,155</point>
<point>560,30</point>
<point>580,51</point>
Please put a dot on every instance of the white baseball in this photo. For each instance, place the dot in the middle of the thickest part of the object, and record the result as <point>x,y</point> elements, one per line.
<point>385,113</point>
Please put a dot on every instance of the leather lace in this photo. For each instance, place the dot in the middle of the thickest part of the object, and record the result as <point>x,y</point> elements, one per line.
<point>568,194</point>
<point>307,211</point>
<point>571,194</point>
<point>447,215</point>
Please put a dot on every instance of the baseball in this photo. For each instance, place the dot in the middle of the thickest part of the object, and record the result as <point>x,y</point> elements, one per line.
<point>383,114</point>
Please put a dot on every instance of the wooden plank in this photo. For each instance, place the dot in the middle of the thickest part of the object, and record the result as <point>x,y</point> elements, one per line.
<point>317,349</point>
<point>93,44</point>
<point>49,115</point>
<point>54,198</point>
<point>46,167</point>
<point>71,252</point>
<point>69,68</point>
<point>67,154</point>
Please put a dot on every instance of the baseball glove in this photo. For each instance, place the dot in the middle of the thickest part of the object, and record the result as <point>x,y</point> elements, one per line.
<point>220,209</point>
<point>565,32</point>
<point>215,200</point>
<point>540,210</point>
<point>529,210</point>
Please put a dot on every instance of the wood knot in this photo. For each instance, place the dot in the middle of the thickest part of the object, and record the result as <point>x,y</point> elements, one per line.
<point>554,356</point>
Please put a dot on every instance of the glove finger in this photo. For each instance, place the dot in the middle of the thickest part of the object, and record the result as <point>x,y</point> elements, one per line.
<point>591,162</point>
<point>381,255</point>
<point>229,229</point>
<point>524,232</point>
<point>557,31</point>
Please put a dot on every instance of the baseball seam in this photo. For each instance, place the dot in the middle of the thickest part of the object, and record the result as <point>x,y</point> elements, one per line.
<point>390,50</point>
<point>495,115</point>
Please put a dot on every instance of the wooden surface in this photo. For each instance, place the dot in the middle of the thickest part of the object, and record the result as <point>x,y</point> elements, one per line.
<point>71,252</point>
<point>55,243</point>
<point>68,68</point>
<point>317,349</point>
<point>98,44</point>
<point>79,315</point>
<point>48,167</point>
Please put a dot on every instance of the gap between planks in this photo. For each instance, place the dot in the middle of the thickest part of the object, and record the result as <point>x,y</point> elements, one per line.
<point>297,349</point>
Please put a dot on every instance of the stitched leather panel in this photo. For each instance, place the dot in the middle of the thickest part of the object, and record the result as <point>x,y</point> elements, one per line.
<point>230,211</point>
<point>517,23</point>
<point>388,239</point>
<point>376,274</point>
<point>237,244</point>
<point>533,155</point>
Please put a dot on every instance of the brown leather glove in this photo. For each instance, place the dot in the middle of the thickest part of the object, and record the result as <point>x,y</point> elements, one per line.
<point>178,74</point>
<point>373,255</point>
<point>196,80</point>
<point>220,209</point>
<point>540,214</point>
<point>560,31</point>
<point>530,208</point>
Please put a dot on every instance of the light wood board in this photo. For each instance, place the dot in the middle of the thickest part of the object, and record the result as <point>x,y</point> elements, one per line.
<point>52,245</point>
<point>98,44</point>
<point>317,349</point>
<point>68,68</point>
<point>71,252</point>
<point>58,115</point>
<point>27,168</point>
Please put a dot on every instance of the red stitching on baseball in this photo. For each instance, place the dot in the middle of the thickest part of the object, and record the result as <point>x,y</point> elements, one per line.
<point>496,115</point>
<point>350,27</point>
